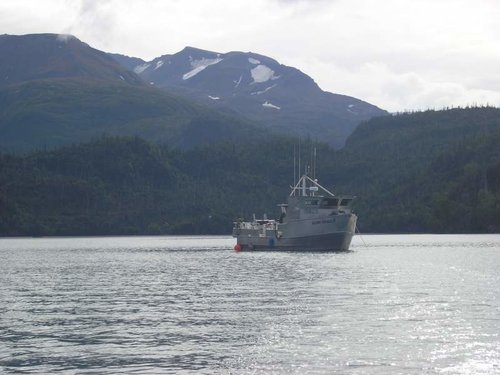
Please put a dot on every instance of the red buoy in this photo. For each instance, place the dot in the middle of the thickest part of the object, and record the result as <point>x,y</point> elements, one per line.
<point>237,247</point>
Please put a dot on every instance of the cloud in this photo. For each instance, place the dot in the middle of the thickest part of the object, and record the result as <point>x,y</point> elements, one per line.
<point>64,37</point>
<point>397,54</point>
<point>306,2</point>
<point>405,55</point>
<point>377,83</point>
<point>93,19</point>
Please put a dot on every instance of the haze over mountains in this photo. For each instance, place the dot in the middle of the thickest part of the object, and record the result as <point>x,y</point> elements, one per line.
<point>56,90</point>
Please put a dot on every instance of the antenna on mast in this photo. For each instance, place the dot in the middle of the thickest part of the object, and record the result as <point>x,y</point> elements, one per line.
<point>309,167</point>
<point>300,171</point>
<point>314,164</point>
<point>294,157</point>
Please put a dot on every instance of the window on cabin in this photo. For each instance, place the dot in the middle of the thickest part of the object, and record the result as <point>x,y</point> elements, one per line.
<point>329,202</point>
<point>346,202</point>
<point>311,202</point>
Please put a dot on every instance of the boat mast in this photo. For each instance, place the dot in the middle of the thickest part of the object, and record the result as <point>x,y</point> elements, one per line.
<point>304,185</point>
<point>300,170</point>
<point>294,162</point>
<point>314,164</point>
<point>309,174</point>
<point>301,186</point>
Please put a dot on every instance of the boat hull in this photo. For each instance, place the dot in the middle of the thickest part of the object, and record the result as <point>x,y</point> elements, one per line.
<point>325,242</point>
<point>331,238</point>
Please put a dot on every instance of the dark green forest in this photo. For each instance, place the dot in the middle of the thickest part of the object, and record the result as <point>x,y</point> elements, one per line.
<point>129,186</point>
<point>432,171</point>
<point>52,113</point>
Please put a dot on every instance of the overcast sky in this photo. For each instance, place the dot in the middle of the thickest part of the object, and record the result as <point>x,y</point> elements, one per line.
<point>397,54</point>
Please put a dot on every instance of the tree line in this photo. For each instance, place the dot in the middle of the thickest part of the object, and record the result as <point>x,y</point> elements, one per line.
<point>433,171</point>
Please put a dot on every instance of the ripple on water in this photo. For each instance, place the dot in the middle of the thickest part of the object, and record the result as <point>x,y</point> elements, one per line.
<point>396,304</point>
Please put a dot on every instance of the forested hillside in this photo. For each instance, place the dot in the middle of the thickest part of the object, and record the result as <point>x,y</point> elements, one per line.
<point>129,186</point>
<point>51,113</point>
<point>434,171</point>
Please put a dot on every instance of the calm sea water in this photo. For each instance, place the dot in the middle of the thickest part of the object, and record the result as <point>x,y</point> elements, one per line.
<point>394,305</point>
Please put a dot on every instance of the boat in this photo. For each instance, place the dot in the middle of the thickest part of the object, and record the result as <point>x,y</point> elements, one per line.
<point>313,219</point>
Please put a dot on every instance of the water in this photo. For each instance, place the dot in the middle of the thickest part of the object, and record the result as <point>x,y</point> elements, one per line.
<point>394,305</point>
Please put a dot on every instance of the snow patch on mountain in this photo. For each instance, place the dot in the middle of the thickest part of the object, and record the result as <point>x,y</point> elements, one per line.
<point>237,83</point>
<point>270,105</point>
<point>199,65</point>
<point>263,91</point>
<point>158,64</point>
<point>262,73</point>
<point>251,60</point>
<point>140,68</point>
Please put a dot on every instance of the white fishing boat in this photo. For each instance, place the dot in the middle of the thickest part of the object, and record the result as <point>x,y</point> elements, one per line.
<point>313,219</point>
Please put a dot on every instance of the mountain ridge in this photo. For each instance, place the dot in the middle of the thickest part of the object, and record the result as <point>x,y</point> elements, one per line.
<point>252,96</point>
<point>278,97</point>
<point>43,56</point>
<point>64,91</point>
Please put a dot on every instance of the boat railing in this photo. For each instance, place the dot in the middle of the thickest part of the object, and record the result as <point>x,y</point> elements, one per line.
<point>256,225</point>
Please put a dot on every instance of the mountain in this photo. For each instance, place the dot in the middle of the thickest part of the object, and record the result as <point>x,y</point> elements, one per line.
<point>278,97</point>
<point>46,56</point>
<point>57,90</point>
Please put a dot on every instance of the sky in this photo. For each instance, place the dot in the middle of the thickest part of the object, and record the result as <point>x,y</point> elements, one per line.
<point>400,55</point>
